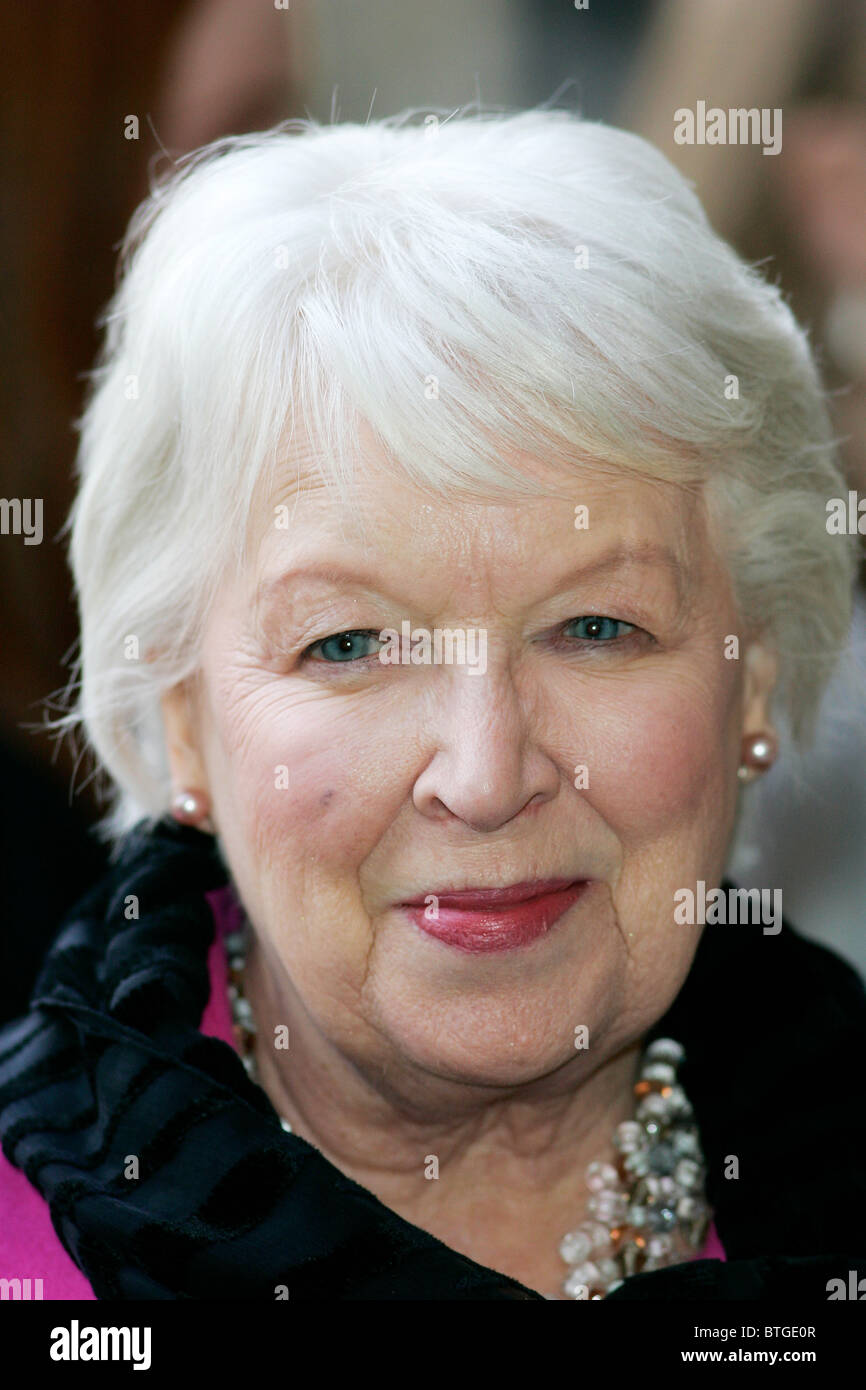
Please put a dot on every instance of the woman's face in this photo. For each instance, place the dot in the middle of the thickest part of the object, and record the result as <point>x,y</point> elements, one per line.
<point>343,786</point>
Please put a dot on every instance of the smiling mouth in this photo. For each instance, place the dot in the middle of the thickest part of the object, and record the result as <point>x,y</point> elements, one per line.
<point>494,919</point>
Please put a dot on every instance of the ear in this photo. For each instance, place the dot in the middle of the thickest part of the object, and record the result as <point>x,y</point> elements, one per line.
<point>182,729</point>
<point>761,675</point>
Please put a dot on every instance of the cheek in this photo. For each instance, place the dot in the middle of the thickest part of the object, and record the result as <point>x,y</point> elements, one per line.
<point>661,751</point>
<point>312,773</point>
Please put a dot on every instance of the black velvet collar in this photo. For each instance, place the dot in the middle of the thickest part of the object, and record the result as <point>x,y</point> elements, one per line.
<point>109,1063</point>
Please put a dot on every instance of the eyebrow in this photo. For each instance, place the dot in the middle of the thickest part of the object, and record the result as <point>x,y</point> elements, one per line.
<point>338,575</point>
<point>644,554</point>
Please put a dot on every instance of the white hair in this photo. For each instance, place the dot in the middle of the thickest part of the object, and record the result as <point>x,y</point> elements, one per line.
<point>556,277</point>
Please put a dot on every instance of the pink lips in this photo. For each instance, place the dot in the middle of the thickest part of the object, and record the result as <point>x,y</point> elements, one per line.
<point>495,919</point>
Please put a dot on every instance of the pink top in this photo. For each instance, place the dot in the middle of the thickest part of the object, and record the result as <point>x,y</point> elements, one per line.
<point>30,1246</point>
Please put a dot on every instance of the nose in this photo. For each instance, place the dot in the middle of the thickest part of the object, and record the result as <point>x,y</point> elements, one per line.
<point>487,766</point>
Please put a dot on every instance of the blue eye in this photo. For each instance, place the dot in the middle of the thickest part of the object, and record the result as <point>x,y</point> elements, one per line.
<point>346,646</point>
<point>597,628</point>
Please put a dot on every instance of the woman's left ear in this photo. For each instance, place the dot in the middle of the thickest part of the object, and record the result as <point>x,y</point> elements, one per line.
<point>759,743</point>
<point>761,675</point>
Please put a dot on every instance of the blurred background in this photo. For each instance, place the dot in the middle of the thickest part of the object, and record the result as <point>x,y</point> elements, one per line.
<point>73,166</point>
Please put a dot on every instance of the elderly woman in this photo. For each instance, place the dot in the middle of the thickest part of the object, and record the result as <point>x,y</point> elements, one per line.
<point>451,551</point>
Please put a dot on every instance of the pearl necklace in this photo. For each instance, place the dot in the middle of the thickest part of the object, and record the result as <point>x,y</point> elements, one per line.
<point>646,1210</point>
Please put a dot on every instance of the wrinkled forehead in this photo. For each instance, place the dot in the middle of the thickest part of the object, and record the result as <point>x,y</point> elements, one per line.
<point>391,520</point>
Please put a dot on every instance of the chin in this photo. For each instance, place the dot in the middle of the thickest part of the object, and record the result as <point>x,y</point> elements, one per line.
<point>488,1052</point>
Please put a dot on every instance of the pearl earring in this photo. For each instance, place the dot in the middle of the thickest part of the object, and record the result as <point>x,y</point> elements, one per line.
<point>190,807</point>
<point>759,753</point>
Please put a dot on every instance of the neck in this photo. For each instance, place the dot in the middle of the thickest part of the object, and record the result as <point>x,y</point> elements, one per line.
<point>496,1173</point>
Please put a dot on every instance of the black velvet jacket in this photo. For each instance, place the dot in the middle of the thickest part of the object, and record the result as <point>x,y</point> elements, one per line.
<point>109,1062</point>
